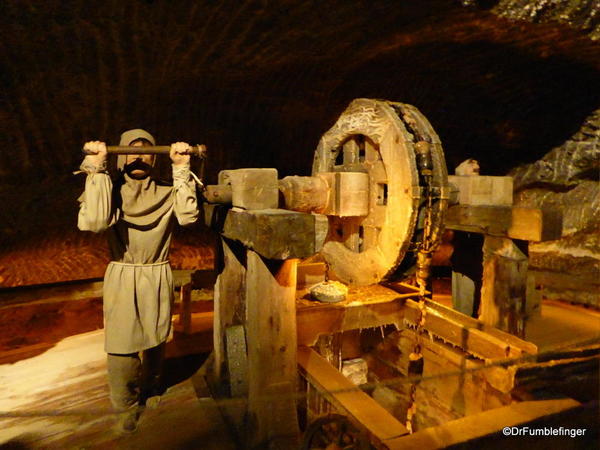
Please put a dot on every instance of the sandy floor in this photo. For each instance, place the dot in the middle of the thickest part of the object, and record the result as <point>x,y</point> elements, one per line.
<point>59,399</point>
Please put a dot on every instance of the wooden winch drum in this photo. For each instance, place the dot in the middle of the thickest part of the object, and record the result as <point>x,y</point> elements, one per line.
<point>379,138</point>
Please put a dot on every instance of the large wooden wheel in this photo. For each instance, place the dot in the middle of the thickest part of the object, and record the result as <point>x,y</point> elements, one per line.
<point>380,138</point>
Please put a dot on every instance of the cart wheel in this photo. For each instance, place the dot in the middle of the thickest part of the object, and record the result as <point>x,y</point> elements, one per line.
<point>334,432</point>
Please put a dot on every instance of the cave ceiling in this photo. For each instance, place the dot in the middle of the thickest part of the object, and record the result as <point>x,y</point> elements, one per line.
<point>259,82</point>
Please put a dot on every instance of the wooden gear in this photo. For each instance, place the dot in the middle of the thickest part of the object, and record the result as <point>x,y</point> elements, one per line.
<point>380,138</point>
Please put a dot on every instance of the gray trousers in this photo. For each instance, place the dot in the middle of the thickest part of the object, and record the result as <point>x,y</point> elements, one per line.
<point>133,380</point>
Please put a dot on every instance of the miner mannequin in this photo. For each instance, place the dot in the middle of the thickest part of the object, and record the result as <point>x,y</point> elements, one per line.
<point>139,214</point>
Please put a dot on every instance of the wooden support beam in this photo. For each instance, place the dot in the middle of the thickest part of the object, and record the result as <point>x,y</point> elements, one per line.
<point>277,233</point>
<point>528,224</point>
<point>361,409</point>
<point>504,289</point>
<point>364,307</point>
<point>483,424</point>
<point>374,306</point>
<point>271,337</point>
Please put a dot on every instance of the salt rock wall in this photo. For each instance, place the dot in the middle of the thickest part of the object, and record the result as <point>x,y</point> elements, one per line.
<point>567,179</point>
<point>580,14</point>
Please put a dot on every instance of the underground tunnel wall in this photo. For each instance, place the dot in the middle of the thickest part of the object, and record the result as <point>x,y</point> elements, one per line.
<point>259,83</point>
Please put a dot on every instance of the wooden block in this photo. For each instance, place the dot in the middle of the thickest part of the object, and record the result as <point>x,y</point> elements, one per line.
<point>277,233</point>
<point>536,225</point>
<point>252,188</point>
<point>349,193</point>
<point>310,274</point>
<point>483,190</point>
<point>528,224</point>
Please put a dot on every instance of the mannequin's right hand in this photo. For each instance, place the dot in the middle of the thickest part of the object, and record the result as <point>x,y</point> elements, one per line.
<point>96,152</point>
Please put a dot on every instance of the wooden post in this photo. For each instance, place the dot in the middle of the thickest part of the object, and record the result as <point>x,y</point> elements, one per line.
<point>185,315</point>
<point>503,295</point>
<point>271,336</point>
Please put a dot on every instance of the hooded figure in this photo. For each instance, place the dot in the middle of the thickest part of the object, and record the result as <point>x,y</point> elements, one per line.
<point>139,215</point>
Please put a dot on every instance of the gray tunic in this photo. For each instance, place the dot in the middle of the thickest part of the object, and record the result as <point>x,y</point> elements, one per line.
<point>138,283</point>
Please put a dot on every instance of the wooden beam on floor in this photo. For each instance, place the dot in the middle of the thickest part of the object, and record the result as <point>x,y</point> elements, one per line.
<point>52,293</point>
<point>483,424</point>
<point>76,290</point>
<point>361,409</point>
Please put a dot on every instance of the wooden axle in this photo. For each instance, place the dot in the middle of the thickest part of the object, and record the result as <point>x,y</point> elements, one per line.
<point>195,150</point>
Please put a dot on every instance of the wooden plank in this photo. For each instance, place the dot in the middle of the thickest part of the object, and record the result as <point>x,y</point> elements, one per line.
<point>185,300</point>
<point>470,322</point>
<point>271,333</point>
<point>363,410</point>
<point>527,224</point>
<point>471,340</point>
<point>457,318</point>
<point>200,322</point>
<point>479,425</point>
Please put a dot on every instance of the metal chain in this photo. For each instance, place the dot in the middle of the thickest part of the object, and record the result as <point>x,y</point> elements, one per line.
<point>424,251</point>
